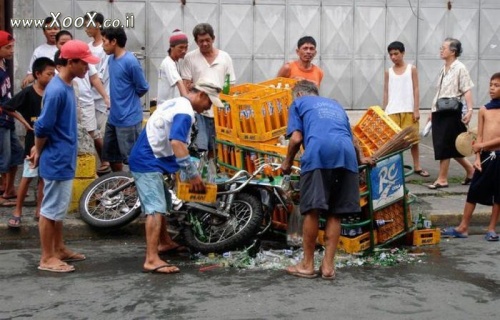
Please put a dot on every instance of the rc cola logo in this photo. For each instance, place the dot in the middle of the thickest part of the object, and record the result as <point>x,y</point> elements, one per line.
<point>387,181</point>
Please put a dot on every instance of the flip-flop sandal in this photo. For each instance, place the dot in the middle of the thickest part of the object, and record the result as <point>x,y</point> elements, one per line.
<point>75,257</point>
<point>102,170</point>
<point>436,185</point>
<point>451,232</point>
<point>466,182</point>
<point>491,236</point>
<point>293,271</point>
<point>326,276</point>
<point>422,173</point>
<point>16,224</point>
<point>61,268</point>
<point>157,269</point>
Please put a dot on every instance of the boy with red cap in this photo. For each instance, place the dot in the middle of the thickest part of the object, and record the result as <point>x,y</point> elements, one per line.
<point>56,145</point>
<point>11,151</point>
<point>170,84</point>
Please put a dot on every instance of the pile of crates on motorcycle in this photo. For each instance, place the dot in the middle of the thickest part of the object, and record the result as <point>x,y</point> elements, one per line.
<point>251,128</point>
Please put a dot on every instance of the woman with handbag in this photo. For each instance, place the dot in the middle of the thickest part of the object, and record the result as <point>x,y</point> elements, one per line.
<point>448,121</point>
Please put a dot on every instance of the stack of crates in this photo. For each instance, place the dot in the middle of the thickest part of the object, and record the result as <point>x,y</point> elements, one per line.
<point>374,129</point>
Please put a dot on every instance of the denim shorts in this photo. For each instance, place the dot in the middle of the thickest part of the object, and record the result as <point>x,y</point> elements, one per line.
<point>118,142</point>
<point>153,193</point>
<point>206,132</point>
<point>11,151</point>
<point>56,198</point>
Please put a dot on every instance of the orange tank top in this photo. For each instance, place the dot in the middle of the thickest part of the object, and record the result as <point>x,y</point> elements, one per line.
<point>315,74</point>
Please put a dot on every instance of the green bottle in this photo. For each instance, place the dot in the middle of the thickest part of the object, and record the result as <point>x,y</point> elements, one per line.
<point>420,221</point>
<point>227,84</point>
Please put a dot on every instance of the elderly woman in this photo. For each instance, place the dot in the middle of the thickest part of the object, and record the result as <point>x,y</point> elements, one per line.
<point>454,82</point>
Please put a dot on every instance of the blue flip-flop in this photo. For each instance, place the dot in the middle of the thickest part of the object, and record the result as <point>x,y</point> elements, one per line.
<point>491,236</point>
<point>451,232</point>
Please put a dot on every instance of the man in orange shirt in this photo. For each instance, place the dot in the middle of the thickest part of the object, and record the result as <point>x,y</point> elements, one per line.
<point>303,68</point>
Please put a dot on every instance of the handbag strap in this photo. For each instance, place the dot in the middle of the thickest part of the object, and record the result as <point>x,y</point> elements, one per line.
<point>441,84</point>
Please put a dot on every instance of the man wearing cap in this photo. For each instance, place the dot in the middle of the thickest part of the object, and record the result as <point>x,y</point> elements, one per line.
<point>55,153</point>
<point>161,149</point>
<point>11,154</point>
<point>127,85</point>
<point>170,84</point>
<point>206,62</point>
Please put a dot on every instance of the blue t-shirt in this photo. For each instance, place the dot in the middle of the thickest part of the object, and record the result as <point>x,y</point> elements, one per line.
<point>327,134</point>
<point>57,123</point>
<point>153,152</point>
<point>5,95</point>
<point>126,85</point>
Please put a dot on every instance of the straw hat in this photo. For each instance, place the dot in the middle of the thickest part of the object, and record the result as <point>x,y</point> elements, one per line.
<point>464,142</point>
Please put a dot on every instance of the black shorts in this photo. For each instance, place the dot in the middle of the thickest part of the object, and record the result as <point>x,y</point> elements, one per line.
<point>332,191</point>
<point>485,187</point>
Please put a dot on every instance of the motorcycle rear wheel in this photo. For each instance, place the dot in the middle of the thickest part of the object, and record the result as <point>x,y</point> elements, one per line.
<point>212,234</point>
<point>100,210</point>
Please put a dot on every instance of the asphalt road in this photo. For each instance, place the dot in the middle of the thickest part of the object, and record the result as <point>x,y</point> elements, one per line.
<point>459,279</point>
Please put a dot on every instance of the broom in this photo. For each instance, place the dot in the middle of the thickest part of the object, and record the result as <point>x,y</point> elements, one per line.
<point>400,141</point>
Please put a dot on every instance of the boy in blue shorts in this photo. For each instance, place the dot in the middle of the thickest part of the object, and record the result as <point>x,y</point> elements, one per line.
<point>28,103</point>
<point>485,186</point>
<point>162,148</point>
<point>55,151</point>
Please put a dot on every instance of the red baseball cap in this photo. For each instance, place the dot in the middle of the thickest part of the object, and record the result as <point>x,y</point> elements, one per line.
<point>5,38</point>
<point>76,49</point>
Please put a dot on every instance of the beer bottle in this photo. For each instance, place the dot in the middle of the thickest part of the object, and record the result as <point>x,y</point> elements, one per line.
<point>420,221</point>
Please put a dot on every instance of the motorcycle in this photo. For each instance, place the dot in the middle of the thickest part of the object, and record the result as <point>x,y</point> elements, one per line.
<point>243,209</point>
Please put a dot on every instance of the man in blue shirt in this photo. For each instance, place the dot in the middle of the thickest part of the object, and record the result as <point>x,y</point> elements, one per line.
<point>329,183</point>
<point>56,145</point>
<point>162,148</point>
<point>127,85</point>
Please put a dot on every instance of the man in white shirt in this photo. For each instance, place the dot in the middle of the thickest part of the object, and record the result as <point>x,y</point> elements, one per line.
<point>206,62</point>
<point>170,84</point>
<point>50,28</point>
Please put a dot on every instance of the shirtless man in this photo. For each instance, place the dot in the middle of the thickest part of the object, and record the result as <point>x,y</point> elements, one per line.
<point>303,68</point>
<point>484,188</point>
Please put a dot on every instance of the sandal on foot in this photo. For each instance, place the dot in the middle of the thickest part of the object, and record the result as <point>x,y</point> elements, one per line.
<point>293,271</point>
<point>103,169</point>
<point>422,173</point>
<point>437,185</point>
<point>74,257</point>
<point>452,232</point>
<point>467,181</point>
<point>326,276</point>
<point>14,222</point>
<point>491,236</point>
<point>157,270</point>
<point>60,268</point>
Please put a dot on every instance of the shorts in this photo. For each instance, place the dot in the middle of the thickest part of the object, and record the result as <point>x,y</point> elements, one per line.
<point>101,119</point>
<point>205,140</point>
<point>153,193</point>
<point>405,120</point>
<point>484,187</point>
<point>118,142</point>
<point>56,199</point>
<point>88,119</point>
<point>11,151</point>
<point>332,191</point>
<point>29,172</point>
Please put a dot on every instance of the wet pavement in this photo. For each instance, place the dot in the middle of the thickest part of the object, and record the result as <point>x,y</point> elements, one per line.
<point>459,279</point>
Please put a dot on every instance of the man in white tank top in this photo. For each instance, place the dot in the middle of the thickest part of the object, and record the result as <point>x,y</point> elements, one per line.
<point>401,96</point>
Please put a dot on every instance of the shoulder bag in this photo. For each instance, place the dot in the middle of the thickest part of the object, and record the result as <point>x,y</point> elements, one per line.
<point>452,104</point>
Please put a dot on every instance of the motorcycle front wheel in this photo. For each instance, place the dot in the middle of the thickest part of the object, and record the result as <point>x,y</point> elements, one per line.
<point>208,233</point>
<point>103,208</point>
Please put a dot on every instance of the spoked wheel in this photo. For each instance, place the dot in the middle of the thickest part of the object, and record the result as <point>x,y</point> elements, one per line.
<point>111,201</point>
<point>210,233</point>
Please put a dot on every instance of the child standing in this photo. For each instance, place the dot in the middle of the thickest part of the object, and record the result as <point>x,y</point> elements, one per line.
<point>484,187</point>
<point>28,103</point>
<point>401,96</point>
<point>11,151</point>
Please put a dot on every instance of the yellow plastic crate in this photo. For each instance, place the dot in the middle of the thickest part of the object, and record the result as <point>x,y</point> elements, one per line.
<point>262,115</point>
<point>85,166</point>
<point>209,197</point>
<point>426,237</point>
<point>225,119</point>
<point>357,244</point>
<point>374,129</point>
<point>393,212</point>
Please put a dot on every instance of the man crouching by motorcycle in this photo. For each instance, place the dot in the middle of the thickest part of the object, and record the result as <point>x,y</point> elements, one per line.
<point>329,183</point>
<point>162,148</point>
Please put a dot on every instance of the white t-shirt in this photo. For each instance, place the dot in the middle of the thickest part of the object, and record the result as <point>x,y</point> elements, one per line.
<point>168,76</point>
<point>195,66</point>
<point>102,71</point>
<point>43,50</point>
<point>85,96</point>
<point>400,92</point>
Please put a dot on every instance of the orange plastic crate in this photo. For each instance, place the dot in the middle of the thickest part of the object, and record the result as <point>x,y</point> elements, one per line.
<point>357,244</point>
<point>425,237</point>
<point>393,212</point>
<point>374,129</point>
<point>209,197</point>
